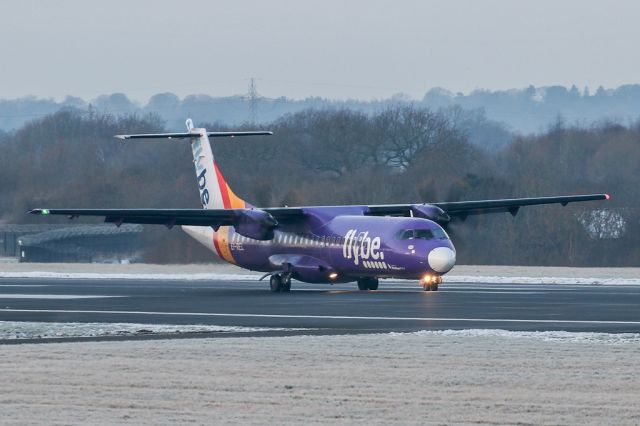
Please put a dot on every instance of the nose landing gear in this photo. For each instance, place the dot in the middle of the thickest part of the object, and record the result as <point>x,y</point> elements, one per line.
<point>430,282</point>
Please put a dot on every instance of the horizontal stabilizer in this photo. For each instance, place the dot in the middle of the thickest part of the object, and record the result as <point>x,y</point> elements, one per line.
<point>194,135</point>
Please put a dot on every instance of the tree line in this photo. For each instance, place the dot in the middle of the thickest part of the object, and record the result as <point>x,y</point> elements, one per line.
<point>403,153</point>
<point>493,115</point>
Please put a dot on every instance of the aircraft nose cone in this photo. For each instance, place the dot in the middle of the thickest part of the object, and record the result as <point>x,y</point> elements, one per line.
<point>442,259</point>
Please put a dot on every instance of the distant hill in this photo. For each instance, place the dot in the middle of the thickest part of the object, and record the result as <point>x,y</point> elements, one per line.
<point>524,111</point>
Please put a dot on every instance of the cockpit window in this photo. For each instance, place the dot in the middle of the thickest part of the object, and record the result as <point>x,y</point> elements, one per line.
<point>440,234</point>
<point>422,234</point>
<point>405,234</point>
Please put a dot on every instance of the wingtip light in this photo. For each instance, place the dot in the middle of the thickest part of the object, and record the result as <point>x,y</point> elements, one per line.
<point>607,196</point>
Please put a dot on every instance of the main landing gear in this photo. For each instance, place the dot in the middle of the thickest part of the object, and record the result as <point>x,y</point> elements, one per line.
<point>367,284</point>
<point>430,282</point>
<point>280,283</point>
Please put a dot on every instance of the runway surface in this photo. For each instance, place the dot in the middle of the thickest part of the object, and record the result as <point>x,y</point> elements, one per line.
<point>339,309</point>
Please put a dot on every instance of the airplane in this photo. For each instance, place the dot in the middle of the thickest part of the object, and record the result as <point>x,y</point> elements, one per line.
<point>314,244</point>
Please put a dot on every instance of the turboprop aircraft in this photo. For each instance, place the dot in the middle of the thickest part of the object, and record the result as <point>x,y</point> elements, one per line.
<point>314,244</point>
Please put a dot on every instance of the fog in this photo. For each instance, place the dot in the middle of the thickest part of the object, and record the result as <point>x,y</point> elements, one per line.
<point>329,48</point>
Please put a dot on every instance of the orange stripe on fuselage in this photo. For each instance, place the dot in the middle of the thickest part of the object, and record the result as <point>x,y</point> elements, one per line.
<point>229,201</point>
<point>216,244</point>
<point>221,242</point>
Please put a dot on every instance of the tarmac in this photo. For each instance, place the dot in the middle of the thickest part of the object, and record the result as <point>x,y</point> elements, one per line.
<point>339,309</point>
<point>141,344</point>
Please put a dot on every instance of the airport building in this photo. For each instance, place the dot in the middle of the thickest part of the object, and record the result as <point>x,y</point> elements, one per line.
<point>64,243</point>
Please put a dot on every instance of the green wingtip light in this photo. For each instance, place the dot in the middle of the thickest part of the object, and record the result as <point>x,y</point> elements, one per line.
<point>45,212</point>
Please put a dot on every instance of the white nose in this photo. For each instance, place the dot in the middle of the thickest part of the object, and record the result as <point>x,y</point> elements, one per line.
<point>442,259</point>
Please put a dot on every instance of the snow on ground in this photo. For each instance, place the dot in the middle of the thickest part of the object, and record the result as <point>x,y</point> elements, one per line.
<point>225,268</point>
<point>138,276</point>
<point>217,276</point>
<point>541,280</point>
<point>547,336</point>
<point>20,330</point>
<point>469,377</point>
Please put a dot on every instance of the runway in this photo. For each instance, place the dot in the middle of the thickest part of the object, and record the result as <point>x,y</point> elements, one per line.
<point>317,309</point>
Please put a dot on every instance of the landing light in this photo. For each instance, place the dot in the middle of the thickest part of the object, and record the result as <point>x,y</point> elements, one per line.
<point>429,278</point>
<point>333,275</point>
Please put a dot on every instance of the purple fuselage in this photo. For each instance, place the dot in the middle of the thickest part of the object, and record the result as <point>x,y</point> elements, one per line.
<point>334,244</point>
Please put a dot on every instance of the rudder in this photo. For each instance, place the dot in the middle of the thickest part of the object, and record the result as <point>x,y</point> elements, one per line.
<point>215,192</point>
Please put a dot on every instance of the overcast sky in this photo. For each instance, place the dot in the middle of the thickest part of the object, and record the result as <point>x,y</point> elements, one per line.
<point>336,49</point>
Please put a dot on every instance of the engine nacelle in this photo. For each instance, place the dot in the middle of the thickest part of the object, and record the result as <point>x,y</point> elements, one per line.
<point>303,268</point>
<point>431,212</point>
<point>255,224</point>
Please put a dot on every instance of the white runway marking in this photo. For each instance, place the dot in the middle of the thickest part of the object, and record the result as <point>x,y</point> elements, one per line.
<point>50,296</point>
<point>24,285</point>
<point>322,317</point>
<point>493,291</point>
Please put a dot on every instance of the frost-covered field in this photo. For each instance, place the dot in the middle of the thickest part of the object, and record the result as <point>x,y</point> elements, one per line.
<point>20,330</point>
<point>469,377</point>
<point>461,273</point>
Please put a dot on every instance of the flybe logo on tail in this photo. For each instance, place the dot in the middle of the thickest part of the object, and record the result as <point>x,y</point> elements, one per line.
<point>361,247</point>
<point>201,171</point>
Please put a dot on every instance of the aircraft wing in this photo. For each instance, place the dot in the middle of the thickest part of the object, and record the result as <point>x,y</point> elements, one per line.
<point>511,205</point>
<point>168,217</point>
<point>269,216</point>
<point>462,209</point>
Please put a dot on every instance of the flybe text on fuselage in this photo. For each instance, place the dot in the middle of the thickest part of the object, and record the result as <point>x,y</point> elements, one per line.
<point>361,247</point>
<point>201,171</point>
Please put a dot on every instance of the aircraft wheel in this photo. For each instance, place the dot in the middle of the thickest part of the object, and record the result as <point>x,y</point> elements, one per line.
<point>362,285</point>
<point>373,284</point>
<point>434,286</point>
<point>368,284</point>
<point>275,282</point>
<point>286,286</point>
<point>426,287</point>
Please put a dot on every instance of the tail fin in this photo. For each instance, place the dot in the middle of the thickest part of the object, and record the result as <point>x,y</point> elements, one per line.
<point>215,193</point>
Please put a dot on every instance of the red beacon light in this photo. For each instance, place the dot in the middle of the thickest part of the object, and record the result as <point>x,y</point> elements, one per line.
<point>607,196</point>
